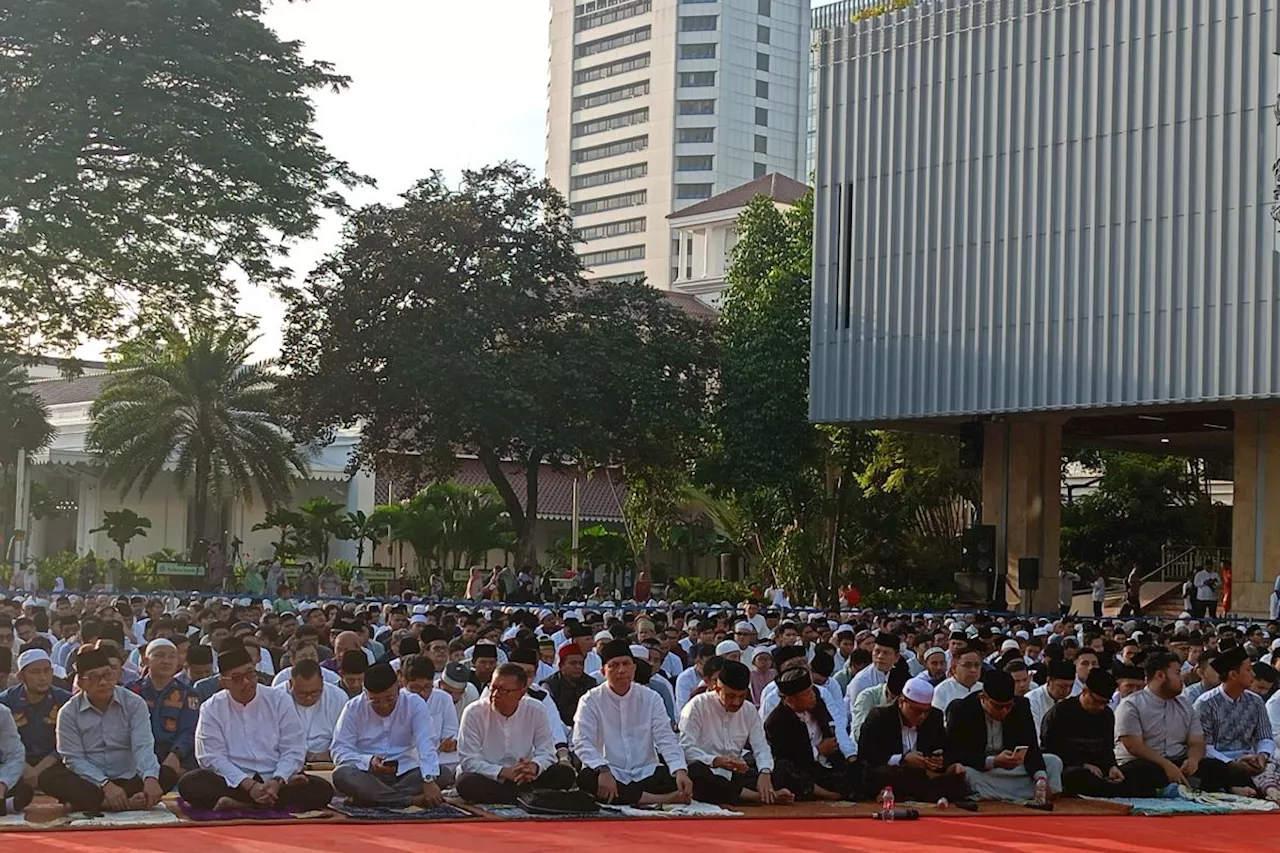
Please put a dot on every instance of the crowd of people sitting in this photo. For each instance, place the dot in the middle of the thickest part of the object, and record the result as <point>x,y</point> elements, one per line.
<point>113,701</point>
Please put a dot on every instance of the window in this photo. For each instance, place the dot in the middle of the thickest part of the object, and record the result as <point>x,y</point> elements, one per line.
<point>614,256</point>
<point>636,277</point>
<point>705,50</point>
<point>611,229</point>
<point>695,163</point>
<point>688,258</point>
<point>609,16</point>
<point>691,191</point>
<point>762,62</point>
<point>762,117</point>
<point>621,66</point>
<point>762,144</point>
<point>613,122</point>
<point>692,2</point>
<point>696,79</point>
<point>609,176</point>
<point>612,149</point>
<point>762,89</point>
<point>696,134</point>
<point>765,8</point>
<point>698,108</point>
<point>760,170</point>
<point>762,34</point>
<point>611,96</point>
<point>609,202</point>
<point>591,48</point>
<point>698,23</point>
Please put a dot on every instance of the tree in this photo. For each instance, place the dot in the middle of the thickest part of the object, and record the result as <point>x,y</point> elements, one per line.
<point>323,520</point>
<point>24,428</point>
<point>148,146</point>
<point>289,523</point>
<point>475,522</point>
<point>364,528</point>
<point>122,527</point>
<point>458,321</point>
<point>190,402</point>
<point>1141,503</point>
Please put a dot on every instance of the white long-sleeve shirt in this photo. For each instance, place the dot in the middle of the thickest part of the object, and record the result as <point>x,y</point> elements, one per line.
<point>951,690</point>
<point>440,704</point>
<point>261,738</point>
<point>319,720</point>
<point>868,676</point>
<point>708,731</point>
<point>836,707</point>
<point>686,683</point>
<point>488,741</point>
<point>1040,702</point>
<point>282,677</point>
<point>558,730</point>
<point>627,733</point>
<point>407,735</point>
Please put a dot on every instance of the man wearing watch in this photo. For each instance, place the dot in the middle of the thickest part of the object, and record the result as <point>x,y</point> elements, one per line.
<point>250,747</point>
<point>386,746</point>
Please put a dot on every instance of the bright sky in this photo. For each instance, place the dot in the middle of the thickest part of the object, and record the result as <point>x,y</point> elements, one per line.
<point>435,85</point>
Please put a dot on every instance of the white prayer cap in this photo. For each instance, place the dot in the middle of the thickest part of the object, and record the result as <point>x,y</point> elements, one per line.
<point>1008,644</point>
<point>930,652</point>
<point>972,632</point>
<point>30,602</point>
<point>31,656</point>
<point>760,650</point>
<point>642,652</point>
<point>727,647</point>
<point>603,635</point>
<point>918,690</point>
<point>418,619</point>
<point>544,613</point>
<point>244,602</point>
<point>419,609</point>
<point>160,643</point>
<point>266,605</point>
<point>510,633</point>
<point>745,627</point>
<point>1275,644</point>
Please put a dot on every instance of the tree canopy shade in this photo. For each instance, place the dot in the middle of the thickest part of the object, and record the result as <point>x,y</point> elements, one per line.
<point>145,147</point>
<point>458,321</point>
<point>191,400</point>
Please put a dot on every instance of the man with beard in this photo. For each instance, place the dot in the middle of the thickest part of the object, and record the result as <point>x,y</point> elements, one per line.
<point>570,684</point>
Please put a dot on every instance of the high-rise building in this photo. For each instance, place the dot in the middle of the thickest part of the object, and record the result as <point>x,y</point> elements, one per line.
<point>656,105</point>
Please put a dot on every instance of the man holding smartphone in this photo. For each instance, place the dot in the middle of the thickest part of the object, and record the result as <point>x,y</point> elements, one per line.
<point>903,745</point>
<point>992,733</point>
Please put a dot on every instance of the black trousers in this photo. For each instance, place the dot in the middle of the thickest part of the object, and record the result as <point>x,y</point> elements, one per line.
<point>911,784</point>
<point>83,795</point>
<point>1216,775</point>
<point>1082,783</point>
<point>1097,610</point>
<point>475,788</point>
<point>203,788</point>
<point>844,779</point>
<point>22,794</point>
<point>659,782</point>
<point>708,787</point>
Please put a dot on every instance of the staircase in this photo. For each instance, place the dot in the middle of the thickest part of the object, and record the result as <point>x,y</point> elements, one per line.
<point>1159,598</point>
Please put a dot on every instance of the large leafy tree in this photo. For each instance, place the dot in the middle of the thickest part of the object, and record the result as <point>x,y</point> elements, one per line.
<point>192,402</point>
<point>24,428</point>
<point>457,320</point>
<point>323,520</point>
<point>145,147</point>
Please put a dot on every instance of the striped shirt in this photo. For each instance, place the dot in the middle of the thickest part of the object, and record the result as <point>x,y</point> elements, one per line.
<point>1234,727</point>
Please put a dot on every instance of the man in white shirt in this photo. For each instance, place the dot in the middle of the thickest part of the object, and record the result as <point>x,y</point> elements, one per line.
<point>1207,582</point>
<point>305,648</point>
<point>688,681</point>
<point>319,704</point>
<point>1098,593</point>
<point>619,732</point>
<point>884,656</point>
<point>456,682</point>
<point>1067,581</point>
<point>250,747</point>
<point>385,746</point>
<point>715,729</point>
<point>1057,686</point>
<point>756,618</point>
<point>966,671</point>
<point>505,744</point>
<point>418,676</point>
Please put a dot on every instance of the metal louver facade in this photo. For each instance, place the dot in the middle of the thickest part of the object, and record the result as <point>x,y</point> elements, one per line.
<point>1036,205</point>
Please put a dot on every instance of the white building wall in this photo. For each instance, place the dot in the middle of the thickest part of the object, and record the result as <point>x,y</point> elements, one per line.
<point>737,39</point>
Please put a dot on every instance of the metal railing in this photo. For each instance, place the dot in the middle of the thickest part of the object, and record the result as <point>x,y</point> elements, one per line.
<point>1181,562</point>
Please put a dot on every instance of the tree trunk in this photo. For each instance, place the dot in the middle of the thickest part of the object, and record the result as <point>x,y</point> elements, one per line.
<point>523,519</point>
<point>201,504</point>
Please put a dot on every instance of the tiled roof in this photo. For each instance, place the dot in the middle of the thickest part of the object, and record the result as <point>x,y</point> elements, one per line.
<point>780,188</point>
<point>79,389</point>
<point>691,305</point>
<point>600,495</point>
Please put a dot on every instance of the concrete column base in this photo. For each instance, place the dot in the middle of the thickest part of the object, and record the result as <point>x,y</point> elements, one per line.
<point>1255,524</point>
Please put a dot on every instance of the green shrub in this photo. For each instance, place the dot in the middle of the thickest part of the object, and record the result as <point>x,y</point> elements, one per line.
<point>907,599</point>
<point>710,590</point>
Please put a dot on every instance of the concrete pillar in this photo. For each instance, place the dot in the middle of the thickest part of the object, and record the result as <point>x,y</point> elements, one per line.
<point>89,516</point>
<point>1022,497</point>
<point>359,497</point>
<point>1255,537</point>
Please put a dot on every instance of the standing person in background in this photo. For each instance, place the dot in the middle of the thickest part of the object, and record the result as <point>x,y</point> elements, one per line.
<point>308,583</point>
<point>330,582</point>
<point>1275,600</point>
<point>1226,587</point>
<point>1207,582</point>
<point>1098,593</point>
<point>1132,594</point>
<point>216,563</point>
<point>1067,580</point>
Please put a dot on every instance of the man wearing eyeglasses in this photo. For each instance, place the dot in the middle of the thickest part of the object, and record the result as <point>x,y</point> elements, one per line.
<point>105,739</point>
<point>992,733</point>
<point>250,747</point>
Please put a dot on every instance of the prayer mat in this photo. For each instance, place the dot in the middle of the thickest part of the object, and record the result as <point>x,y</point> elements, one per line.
<point>1202,804</point>
<point>516,813</point>
<point>207,815</point>
<point>134,819</point>
<point>443,811</point>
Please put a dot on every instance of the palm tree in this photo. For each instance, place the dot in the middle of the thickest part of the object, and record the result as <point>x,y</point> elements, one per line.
<point>122,527</point>
<point>322,521</point>
<point>24,426</point>
<point>475,520</point>
<point>191,402</point>
<point>365,527</point>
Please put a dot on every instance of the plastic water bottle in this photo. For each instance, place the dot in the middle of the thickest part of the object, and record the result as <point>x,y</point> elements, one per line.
<point>886,803</point>
<point>1042,792</point>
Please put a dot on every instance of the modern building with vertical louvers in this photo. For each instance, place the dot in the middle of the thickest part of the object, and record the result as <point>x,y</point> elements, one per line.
<point>1049,221</point>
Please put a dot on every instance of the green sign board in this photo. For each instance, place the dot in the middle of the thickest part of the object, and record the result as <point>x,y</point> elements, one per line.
<point>185,569</point>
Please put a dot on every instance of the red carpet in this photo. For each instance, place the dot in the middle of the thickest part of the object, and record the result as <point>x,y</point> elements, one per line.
<point>1033,834</point>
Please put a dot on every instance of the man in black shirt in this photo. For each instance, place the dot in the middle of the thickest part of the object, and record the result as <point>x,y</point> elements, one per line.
<point>1081,731</point>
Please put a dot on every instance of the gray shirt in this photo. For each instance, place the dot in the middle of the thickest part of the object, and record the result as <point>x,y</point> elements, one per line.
<point>1165,725</point>
<point>117,743</point>
<point>12,752</point>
